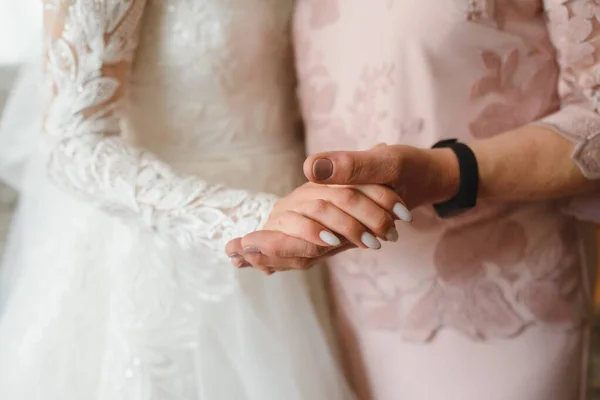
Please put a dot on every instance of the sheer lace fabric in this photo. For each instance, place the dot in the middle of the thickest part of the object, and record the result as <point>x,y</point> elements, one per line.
<point>90,156</point>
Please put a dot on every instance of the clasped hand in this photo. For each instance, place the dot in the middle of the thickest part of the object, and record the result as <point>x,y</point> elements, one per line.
<point>352,201</point>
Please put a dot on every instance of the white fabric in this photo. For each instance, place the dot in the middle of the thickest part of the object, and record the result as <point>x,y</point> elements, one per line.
<point>20,20</point>
<point>118,287</point>
<point>20,122</point>
<point>20,50</point>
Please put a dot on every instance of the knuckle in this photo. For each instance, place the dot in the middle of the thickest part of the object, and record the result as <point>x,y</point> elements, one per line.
<point>382,195</point>
<point>348,166</point>
<point>317,207</point>
<point>349,228</point>
<point>348,197</point>
<point>382,222</point>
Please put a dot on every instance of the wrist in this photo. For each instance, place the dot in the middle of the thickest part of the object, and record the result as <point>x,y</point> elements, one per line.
<point>427,176</point>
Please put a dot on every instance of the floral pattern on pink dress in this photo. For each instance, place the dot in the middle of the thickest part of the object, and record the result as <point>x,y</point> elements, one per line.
<point>575,29</point>
<point>501,275</point>
<point>518,104</point>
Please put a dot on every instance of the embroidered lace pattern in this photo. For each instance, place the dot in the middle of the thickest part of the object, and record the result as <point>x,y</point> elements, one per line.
<point>91,44</point>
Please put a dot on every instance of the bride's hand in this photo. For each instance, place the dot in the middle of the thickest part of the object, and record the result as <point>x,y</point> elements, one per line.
<point>322,214</point>
<point>316,221</point>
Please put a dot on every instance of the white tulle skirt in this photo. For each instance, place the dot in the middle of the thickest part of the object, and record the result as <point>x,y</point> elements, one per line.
<point>94,308</point>
<point>99,309</point>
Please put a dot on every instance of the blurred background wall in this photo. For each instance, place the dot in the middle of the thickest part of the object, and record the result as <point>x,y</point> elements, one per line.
<point>7,196</point>
<point>20,30</point>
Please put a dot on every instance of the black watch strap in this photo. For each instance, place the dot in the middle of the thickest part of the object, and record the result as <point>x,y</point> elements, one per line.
<point>466,197</point>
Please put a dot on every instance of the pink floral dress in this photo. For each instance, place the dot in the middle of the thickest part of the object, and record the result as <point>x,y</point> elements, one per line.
<point>491,305</point>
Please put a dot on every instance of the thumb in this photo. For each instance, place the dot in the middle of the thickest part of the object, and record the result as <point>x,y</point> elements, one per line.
<point>379,165</point>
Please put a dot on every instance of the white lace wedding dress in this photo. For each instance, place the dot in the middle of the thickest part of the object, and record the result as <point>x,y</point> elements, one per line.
<point>119,287</point>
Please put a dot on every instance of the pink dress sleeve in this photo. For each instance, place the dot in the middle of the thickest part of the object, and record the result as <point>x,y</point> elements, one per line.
<point>574,29</point>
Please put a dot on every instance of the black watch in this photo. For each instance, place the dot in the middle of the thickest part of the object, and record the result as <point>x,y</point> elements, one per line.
<point>466,198</point>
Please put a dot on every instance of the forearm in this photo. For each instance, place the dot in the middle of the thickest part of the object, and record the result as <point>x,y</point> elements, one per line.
<point>137,187</point>
<point>528,164</point>
<point>560,157</point>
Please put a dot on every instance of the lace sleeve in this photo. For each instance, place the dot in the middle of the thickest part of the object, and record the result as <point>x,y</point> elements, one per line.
<point>90,45</point>
<point>574,27</point>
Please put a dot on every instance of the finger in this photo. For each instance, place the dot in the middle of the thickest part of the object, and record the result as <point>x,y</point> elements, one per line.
<point>298,226</point>
<point>360,207</point>
<point>273,263</point>
<point>337,250</point>
<point>386,199</point>
<point>234,247</point>
<point>278,244</point>
<point>282,264</point>
<point>379,165</point>
<point>338,221</point>
<point>234,250</point>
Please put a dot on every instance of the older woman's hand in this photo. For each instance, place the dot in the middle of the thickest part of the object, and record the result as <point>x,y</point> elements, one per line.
<point>531,163</point>
<point>301,229</point>
<point>419,176</point>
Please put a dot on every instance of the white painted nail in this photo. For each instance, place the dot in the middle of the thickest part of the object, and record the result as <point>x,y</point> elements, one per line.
<point>402,212</point>
<point>370,241</point>
<point>392,235</point>
<point>330,238</point>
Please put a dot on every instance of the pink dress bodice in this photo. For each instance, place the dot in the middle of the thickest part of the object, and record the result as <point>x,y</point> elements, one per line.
<point>490,305</point>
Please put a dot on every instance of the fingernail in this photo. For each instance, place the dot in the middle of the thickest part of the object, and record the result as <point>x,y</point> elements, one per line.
<point>322,169</point>
<point>330,238</point>
<point>239,261</point>
<point>402,212</point>
<point>370,241</point>
<point>392,235</point>
<point>251,250</point>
